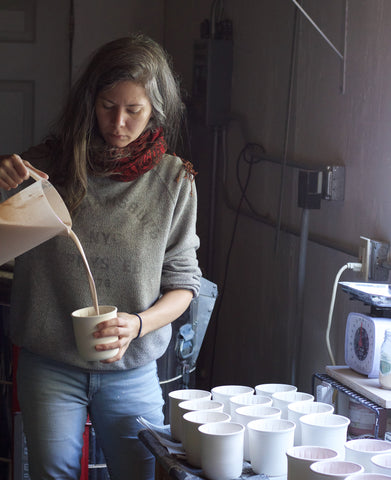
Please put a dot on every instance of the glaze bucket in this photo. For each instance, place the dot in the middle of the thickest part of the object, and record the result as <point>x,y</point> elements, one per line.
<point>31,217</point>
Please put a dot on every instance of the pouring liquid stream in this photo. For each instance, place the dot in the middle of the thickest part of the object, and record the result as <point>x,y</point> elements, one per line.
<point>79,246</point>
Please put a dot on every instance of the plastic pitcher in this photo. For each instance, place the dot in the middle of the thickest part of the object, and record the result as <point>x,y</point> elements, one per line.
<point>31,217</point>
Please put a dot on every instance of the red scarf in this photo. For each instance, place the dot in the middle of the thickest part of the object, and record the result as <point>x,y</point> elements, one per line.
<point>139,156</point>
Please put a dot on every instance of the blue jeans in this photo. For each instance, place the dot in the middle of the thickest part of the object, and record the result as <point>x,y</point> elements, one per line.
<point>55,400</point>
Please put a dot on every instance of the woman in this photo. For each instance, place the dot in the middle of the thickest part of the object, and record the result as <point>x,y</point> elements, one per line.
<point>133,208</point>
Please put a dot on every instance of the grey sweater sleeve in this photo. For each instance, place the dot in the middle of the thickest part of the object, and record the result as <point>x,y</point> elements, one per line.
<point>180,267</point>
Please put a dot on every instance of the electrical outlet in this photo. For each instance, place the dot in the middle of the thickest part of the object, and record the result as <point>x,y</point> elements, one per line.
<point>333,183</point>
<point>363,256</point>
<point>373,256</point>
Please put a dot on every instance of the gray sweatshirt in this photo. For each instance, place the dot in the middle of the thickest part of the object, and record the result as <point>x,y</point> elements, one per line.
<point>139,239</point>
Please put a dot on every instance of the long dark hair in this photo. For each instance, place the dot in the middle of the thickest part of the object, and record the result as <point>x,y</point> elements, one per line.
<point>137,58</point>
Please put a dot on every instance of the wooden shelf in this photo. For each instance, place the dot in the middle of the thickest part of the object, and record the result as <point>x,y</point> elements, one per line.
<point>368,387</point>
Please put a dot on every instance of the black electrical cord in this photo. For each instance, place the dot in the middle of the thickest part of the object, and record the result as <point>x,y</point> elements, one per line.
<point>250,160</point>
<point>249,157</point>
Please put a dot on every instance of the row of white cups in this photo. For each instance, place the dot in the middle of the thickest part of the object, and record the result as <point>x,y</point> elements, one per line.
<point>280,431</point>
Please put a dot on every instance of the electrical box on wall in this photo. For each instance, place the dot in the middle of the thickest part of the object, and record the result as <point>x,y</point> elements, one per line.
<point>212,80</point>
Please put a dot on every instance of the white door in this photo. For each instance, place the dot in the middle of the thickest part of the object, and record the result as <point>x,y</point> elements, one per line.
<point>34,69</point>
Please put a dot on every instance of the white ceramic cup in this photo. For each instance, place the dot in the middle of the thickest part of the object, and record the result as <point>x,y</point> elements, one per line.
<point>381,463</point>
<point>281,400</point>
<point>301,457</point>
<point>174,399</point>
<point>325,431</point>
<point>334,469</point>
<point>200,404</point>
<point>223,393</point>
<point>242,400</point>
<point>361,450</point>
<point>191,435</point>
<point>267,389</point>
<point>298,409</point>
<point>368,476</point>
<point>85,321</point>
<point>269,439</point>
<point>196,404</point>
<point>248,413</point>
<point>221,450</point>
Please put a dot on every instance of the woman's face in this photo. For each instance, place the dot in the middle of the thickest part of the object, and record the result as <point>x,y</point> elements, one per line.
<point>122,113</point>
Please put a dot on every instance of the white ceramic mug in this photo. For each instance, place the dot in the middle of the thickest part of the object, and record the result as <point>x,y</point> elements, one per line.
<point>381,463</point>
<point>361,450</point>
<point>85,321</point>
<point>174,399</point>
<point>297,409</point>
<point>281,400</point>
<point>221,450</point>
<point>334,469</point>
<point>325,431</point>
<point>191,435</point>
<point>248,413</point>
<point>269,439</point>
<point>223,393</point>
<point>200,404</point>
<point>301,457</point>
<point>267,389</point>
<point>243,400</point>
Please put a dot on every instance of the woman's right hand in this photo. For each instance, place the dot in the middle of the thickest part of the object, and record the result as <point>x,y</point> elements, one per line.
<point>13,171</point>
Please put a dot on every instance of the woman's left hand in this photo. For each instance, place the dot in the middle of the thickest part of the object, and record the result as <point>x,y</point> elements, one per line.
<point>125,326</point>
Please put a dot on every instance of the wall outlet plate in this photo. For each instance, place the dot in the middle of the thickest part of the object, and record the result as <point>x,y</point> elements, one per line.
<point>373,255</point>
<point>333,187</point>
<point>363,256</point>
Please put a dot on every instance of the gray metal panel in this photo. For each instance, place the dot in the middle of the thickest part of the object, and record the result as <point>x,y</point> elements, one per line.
<point>188,333</point>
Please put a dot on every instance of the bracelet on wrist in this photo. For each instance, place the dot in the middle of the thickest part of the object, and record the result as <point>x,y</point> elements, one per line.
<point>141,324</point>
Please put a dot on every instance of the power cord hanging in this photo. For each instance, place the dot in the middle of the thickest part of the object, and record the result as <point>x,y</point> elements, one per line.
<point>243,189</point>
<point>349,266</point>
